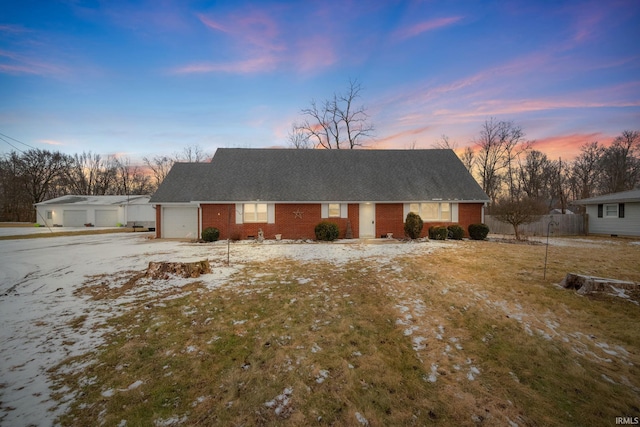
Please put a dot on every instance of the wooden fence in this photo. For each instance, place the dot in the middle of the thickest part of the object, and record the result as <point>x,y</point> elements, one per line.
<point>564,225</point>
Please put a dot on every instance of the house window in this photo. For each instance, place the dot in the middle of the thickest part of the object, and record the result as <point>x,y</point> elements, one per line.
<point>432,211</point>
<point>334,210</point>
<point>445,212</point>
<point>611,211</point>
<point>255,212</point>
<point>49,215</point>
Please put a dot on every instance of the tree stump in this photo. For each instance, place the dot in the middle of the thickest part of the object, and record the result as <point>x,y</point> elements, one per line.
<point>163,270</point>
<point>588,284</point>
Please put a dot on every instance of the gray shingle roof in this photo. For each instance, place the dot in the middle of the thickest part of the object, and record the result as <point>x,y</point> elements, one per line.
<point>95,200</point>
<point>621,197</point>
<point>273,175</point>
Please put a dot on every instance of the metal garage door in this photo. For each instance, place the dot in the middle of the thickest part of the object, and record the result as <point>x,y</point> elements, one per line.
<point>180,222</point>
<point>74,218</point>
<point>106,218</point>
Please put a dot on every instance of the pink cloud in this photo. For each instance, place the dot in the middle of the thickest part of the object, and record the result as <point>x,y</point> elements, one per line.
<point>422,27</point>
<point>405,137</point>
<point>50,142</point>
<point>248,66</point>
<point>567,147</point>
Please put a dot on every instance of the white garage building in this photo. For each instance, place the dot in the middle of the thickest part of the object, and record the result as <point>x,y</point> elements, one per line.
<point>99,211</point>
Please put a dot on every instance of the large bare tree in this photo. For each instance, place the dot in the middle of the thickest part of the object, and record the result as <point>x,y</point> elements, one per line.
<point>498,148</point>
<point>336,122</point>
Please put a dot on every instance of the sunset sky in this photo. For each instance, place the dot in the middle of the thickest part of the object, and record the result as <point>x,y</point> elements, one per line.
<point>150,77</point>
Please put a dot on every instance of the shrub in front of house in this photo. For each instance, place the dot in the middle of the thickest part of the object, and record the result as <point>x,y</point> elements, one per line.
<point>437,232</point>
<point>210,234</point>
<point>413,225</point>
<point>455,232</point>
<point>327,231</point>
<point>478,231</point>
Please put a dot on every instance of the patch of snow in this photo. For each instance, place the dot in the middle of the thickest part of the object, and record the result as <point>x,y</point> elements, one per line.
<point>362,420</point>
<point>322,375</point>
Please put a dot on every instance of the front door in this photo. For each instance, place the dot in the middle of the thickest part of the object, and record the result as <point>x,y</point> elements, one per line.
<point>367,220</point>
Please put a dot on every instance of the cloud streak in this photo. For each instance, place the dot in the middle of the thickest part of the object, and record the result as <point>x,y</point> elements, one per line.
<point>425,26</point>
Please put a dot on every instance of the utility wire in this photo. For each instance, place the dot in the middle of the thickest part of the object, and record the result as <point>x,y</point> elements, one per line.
<point>13,139</point>
<point>1,138</point>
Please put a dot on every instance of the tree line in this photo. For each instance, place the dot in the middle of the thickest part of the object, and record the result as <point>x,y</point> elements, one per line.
<point>32,176</point>
<point>510,169</point>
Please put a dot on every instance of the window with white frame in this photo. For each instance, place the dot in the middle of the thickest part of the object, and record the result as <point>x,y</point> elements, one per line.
<point>49,215</point>
<point>611,211</point>
<point>334,210</point>
<point>255,212</point>
<point>432,211</point>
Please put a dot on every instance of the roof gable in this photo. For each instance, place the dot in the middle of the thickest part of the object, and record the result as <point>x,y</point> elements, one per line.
<point>274,175</point>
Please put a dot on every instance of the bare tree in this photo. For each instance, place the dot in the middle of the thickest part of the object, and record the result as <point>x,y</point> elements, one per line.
<point>91,174</point>
<point>620,163</point>
<point>337,123</point>
<point>535,174</point>
<point>131,179</point>
<point>159,166</point>
<point>468,158</point>
<point>298,138</point>
<point>444,143</point>
<point>192,154</point>
<point>517,212</point>
<point>583,174</point>
<point>499,146</point>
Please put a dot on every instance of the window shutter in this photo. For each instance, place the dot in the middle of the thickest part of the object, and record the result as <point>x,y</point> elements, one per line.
<point>344,210</point>
<point>621,210</point>
<point>271,213</point>
<point>239,212</point>
<point>599,211</point>
<point>324,210</point>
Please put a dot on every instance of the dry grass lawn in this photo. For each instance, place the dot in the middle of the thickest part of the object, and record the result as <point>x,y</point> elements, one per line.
<point>468,335</point>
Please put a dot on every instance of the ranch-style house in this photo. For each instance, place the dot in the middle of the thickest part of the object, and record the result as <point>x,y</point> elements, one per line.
<point>285,193</point>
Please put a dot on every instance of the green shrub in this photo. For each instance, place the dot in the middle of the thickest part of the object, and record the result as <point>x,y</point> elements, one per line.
<point>455,232</point>
<point>210,234</point>
<point>478,231</point>
<point>327,231</point>
<point>413,225</point>
<point>438,232</point>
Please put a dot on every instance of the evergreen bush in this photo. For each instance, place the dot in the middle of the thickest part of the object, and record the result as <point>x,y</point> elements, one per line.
<point>210,234</point>
<point>438,232</point>
<point>413,225</point>
<point>478,231</point>
<point>327,231</point>
<point>455,232</point>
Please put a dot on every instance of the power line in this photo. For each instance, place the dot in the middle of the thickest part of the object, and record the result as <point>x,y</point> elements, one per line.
<point>16,148</point>
<point>18,141</point>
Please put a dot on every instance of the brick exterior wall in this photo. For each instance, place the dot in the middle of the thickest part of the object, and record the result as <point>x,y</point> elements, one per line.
<point>389,219</point>
<point>287,224</point>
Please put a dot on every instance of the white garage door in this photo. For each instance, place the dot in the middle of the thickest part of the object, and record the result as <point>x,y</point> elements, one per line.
<point>106,218</point>
<point>180,223</point>
<point>74,218</point>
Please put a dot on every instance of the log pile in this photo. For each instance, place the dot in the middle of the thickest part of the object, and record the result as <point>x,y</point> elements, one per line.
<point>163,270</point>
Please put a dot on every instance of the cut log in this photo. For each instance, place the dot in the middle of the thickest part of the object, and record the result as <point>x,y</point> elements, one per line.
<point>162,270</point>
<point>587,284</point>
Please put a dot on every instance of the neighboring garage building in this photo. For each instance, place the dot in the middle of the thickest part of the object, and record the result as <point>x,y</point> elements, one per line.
<point>99,211</point>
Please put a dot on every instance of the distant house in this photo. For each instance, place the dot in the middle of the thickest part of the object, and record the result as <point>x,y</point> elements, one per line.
<point>100,211</point>
<point>614,214</point>
<point>288,192</point>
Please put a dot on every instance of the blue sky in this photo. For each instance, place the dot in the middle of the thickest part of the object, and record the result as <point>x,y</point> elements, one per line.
<point>150,77</point>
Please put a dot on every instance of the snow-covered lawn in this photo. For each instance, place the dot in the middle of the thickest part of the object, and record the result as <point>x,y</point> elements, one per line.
<point>38,303</point>
<point>38,278</point>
